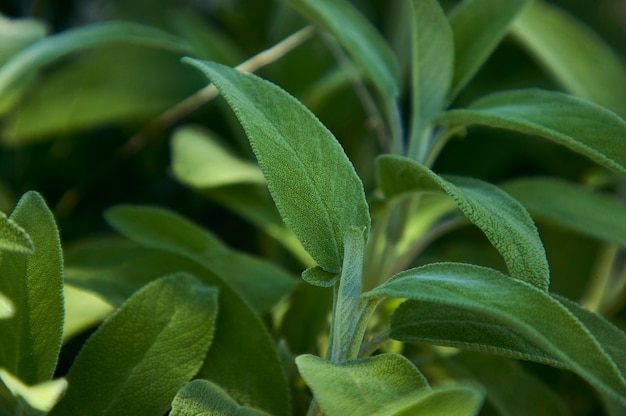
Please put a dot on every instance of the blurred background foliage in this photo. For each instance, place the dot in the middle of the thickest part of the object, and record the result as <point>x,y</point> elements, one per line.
<point>77,131</point>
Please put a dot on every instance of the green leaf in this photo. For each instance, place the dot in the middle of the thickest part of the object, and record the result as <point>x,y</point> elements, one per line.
<point>47,50</point>
<point>484,302</point>
<point>523,394</point>
<point>479,26</point>
<point>83,310</point>
<point>387,384</point>
<point>203,398</point>
<point>303,163</point>
<point>354,32</point>
<point>573,206</point>
<point>16,34</point>
<point>578,124</point>
<point>260,282</point>
<point>7,310</point>
<point>242,359</point>
<point>505,222</point>
<point>432,68</point>
<point>35,400</point>
<point>201,161</point>
<point>574,55</point>
<point>13,238</point>
<point>145,352</point>
<point>34,283</point>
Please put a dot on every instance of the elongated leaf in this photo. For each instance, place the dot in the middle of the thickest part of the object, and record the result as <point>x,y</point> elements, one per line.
<point>432,68</point>
<point>261,283</point>
<point>504,221</point>
<point>575,56</point>
<point>365,45</point>
<point>54,47</point>
<point>199,160</point>
<point>145,352</point>
<point>13,237</point>
<point>31,340</point>
<point>387,384</point>
<point>571,121</point>
<point>242,359</point>
<point>203,398</point>
<point>314,185</point>
<point>479,26</point>
<point>573,206</point>
<point>83,310</point>
<point>35,400</point>
<point>491,302</point>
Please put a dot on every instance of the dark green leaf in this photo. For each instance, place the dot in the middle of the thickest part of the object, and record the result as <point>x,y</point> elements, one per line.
<point>31,340</point>
<point>492,302</point>
<point>504,221</point>
<point>12,237</point>
<point>573,206</point>
<point>145,352</point>
<point>303,163</point>
<point>203,398</point>
<point>573,122</point>
<point>432,68</point>
<point>575,56</point>
<point>366,46</point>
<point>479,26</point>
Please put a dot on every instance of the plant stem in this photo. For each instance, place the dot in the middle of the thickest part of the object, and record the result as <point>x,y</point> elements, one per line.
<point>206,94</point>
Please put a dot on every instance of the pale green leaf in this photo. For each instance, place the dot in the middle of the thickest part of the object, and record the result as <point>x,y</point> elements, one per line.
<point>574,55</point>
<point>479,26</point>
<point>201,161</point>
<point>13,237</point>
<point>571,121</point>
<point>83,310</point>
<point>251,375</point>
<point>7,310</point>
<point>458,400</point>
<point>314,185</point>
<point>16,34</point>
<point>366,46</point>
<point>486,301</point>
<point>505,222</point>
<point>260,282</point>
<point>31,340</point>
<point>203,398</point>
<point>523,394</point>
<point>432,68</point>
<point>573,206</point>
<point>145,352</point>
<point>38,399</point>
<point>47,50</point>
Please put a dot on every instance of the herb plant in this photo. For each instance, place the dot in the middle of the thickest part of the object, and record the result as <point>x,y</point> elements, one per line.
<point>399,310</point>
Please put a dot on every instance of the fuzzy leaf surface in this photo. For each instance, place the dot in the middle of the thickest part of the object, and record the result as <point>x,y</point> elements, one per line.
<point>573,206</point>
<point>467,293</point>
<point>505,222</point>
<point>203,398</point>
<point>355,33</point>
<point>12,237</point>
<point>31,340</point>
<point>571,121</point>
<point>145,352</point>
<point>574,55</point>
<point>479,26</point>
<point>314,185</point>
<point>48,49</point>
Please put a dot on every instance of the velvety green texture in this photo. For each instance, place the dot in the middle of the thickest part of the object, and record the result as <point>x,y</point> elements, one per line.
<point>13,237</point>
<point>576,123</point>
<point>355,33</point>
<point>31,340</point>
<point>573,206</point>
<point>505,222</point>
<point>241,349</point>
<point>145,352</point>
<point>483,301</point>
<point>386,384</point>
<point>479,26</point>
<point>575,55</point>
<point>303,163</point>
<point>203,398</point>
<point>431,70</point>
<point>261,283</point>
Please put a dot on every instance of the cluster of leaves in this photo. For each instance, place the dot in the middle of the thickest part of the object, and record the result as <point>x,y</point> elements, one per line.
<point>168,317</point>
